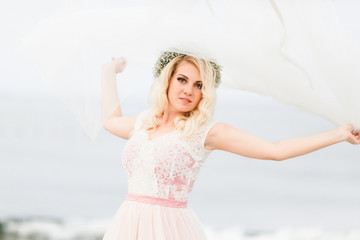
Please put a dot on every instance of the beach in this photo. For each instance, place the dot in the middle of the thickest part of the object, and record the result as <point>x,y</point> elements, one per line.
<point>51,170</point>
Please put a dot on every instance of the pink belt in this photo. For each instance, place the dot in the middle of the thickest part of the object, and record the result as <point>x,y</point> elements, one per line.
<point>156,201</point>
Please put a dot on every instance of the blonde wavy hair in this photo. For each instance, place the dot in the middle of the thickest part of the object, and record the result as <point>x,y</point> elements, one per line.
<point>190,121</point>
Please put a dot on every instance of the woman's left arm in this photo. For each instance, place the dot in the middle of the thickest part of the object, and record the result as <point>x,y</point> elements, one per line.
<point>225,137</point>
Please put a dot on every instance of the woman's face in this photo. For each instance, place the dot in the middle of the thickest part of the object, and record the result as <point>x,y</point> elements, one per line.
<point>184,92</point>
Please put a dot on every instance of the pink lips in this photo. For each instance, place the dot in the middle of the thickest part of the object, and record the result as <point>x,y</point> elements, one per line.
<point>185,100</point>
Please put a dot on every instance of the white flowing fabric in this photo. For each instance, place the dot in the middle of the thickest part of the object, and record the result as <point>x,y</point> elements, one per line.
<point>295,51</point>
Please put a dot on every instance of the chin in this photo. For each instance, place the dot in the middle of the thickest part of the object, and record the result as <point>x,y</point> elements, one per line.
<point>189,110</point>
<point>184,110</point>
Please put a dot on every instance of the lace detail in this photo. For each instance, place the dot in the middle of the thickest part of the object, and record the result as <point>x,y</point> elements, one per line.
<point>164,167</point>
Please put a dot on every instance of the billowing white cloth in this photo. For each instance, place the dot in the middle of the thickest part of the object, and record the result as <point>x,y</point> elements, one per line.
<point>295,51</point>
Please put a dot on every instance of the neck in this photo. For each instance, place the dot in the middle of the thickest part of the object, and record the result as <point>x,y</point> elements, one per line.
<point>168,117</point>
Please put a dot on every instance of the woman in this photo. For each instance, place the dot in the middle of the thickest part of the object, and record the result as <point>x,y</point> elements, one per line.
<point>169,143</point>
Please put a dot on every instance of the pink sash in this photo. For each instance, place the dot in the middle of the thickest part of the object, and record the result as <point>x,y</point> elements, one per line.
<point>156,201</point>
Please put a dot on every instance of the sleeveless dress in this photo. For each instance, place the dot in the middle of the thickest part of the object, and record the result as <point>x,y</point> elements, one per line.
<point>161,173</point>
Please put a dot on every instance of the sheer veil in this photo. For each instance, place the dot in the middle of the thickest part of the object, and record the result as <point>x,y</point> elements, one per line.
<point>296,51</point>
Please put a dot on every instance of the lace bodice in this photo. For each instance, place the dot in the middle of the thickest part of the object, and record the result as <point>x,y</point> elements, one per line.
<point>166,166</point>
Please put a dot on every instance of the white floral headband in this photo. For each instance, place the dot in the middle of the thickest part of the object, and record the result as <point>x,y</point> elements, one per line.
<point>166,57</point>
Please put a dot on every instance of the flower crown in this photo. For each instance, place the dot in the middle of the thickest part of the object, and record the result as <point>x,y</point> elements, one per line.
<point>166,57</point>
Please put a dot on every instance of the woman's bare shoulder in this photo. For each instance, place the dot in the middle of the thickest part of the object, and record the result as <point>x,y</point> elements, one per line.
<point>215,128</point>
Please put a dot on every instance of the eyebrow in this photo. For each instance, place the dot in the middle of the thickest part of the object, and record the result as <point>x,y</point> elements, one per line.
<point>187,77</point>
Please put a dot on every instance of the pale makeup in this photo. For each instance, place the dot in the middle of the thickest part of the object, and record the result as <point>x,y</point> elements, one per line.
<point>184,92</point>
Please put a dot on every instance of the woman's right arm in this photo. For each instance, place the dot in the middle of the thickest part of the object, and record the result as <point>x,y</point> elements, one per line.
<point>113,120</point>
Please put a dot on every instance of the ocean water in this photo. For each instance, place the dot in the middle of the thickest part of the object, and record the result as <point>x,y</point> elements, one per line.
<point>57,184</point>
<point>79,229</point>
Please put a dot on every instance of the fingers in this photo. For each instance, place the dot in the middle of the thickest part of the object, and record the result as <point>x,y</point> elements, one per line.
<point>120,58</point>
<point>357,136</point>
<point>355,139</point>
<point>118,63</point>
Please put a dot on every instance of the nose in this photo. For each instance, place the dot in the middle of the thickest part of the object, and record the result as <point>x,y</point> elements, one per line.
<point>188,89</point>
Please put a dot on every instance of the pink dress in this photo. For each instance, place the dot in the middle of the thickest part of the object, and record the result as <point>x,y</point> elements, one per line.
<point>161,173</point>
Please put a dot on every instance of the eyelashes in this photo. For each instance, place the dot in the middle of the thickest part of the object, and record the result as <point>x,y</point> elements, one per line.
<point>198,85</point>
<point>183,80</point>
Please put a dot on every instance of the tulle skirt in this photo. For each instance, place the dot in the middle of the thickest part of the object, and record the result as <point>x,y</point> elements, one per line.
<point>144,221</point>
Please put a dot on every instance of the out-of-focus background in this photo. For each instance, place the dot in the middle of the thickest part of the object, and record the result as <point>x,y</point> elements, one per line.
<point>57,184</point>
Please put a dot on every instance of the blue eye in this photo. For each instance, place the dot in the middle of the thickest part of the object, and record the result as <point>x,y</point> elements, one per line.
<point>181,79</point>
<point>198,85</point>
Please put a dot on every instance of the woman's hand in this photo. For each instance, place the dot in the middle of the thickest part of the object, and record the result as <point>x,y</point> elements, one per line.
<point>350,135</point>
<point>116,64</point>
<point>119,63</point>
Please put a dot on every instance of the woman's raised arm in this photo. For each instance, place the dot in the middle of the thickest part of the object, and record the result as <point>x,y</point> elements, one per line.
<point>227,138</point>
<point>109,95</point>
<point>113,120</point>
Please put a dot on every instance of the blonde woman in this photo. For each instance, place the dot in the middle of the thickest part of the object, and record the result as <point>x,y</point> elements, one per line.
<point>168,144</point>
